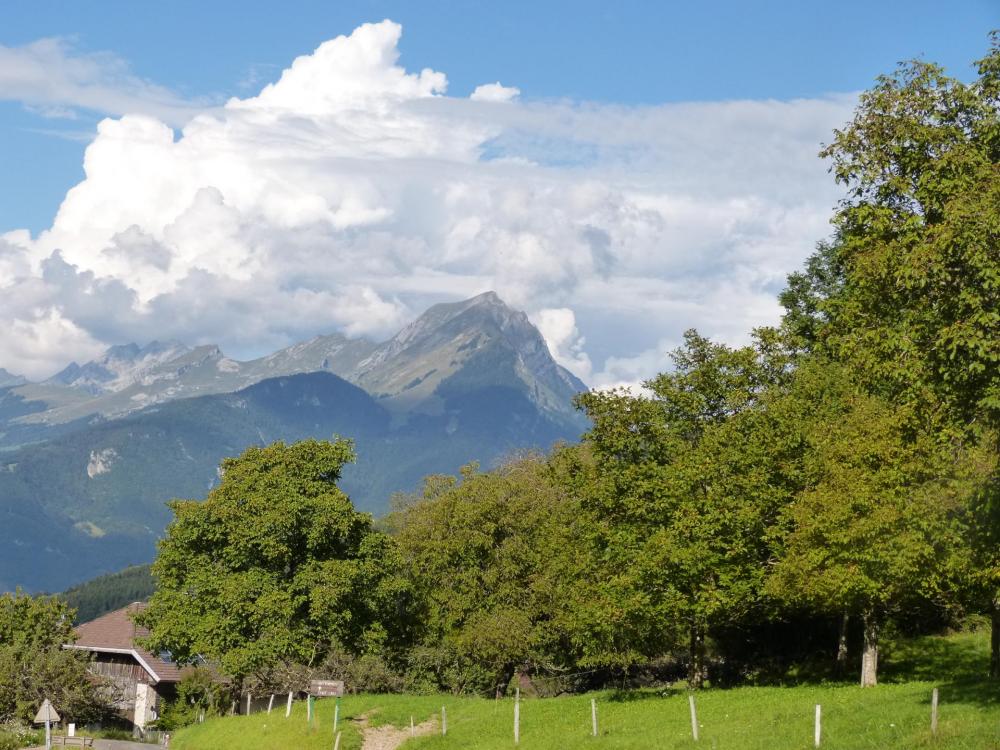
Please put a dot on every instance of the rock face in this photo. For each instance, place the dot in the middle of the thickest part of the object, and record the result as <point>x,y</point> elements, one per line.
<point>454,349</point>
<point>103,446</point>
<point>119,367</point>
<point>127,378</point>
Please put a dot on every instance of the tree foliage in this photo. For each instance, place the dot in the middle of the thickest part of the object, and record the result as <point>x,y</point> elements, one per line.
<point>482,551</point>
<point>35,666</point>
<point>275,567</point>
<point>688,492</point>
<point>916,307</point>
<point>876,523</point>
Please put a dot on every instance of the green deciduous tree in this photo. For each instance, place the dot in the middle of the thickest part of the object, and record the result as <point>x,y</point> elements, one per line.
<point>876,523</point>
<point>483,551</point>
<point>917,306</point>
<point>34,666</point>
<point>275,567</point>
<point>687,492</point>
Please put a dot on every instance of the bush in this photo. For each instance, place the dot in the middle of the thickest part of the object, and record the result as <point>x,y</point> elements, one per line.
<point>369,673</point>
<point>197,692</point>
<point>14,735</point>
<point>442,667</point>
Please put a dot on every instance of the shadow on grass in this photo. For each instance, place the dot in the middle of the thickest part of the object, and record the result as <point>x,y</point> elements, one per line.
<point>983,692</point>
<point>958,665</point>
<point>633,696</point>
<point>960,659</point>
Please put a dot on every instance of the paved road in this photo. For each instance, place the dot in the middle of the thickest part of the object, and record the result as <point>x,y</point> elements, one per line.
<point>111,745</point>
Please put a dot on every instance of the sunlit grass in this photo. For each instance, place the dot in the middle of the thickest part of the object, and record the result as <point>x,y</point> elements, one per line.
<point>892,716</point>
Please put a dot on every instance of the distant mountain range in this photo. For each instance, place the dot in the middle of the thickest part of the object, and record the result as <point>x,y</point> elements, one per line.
<point>7,379</point>
<point>90,456</point>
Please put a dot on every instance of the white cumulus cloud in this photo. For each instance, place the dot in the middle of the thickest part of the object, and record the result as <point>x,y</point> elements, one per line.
<point>495,92</point>
<point>558,327</point>
<point>351,193</point>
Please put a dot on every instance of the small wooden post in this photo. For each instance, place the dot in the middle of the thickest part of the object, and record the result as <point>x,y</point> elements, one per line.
<point>413,731</point>
<point>934,707</point>
<point>249,697</point>
<point>517,717</point>
<point>444,722</point>
<point>288,708</point>
<point>818,731</point>
<point>593,716</point>
<point>336,742</point>
<point>694,718</point>
<point>270,703</point>
<point>309,709</point>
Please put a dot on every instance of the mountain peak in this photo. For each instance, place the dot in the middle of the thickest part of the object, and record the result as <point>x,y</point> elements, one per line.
<point>487,298</point>
<point>9,379</point>
<point>457,347</point>
<point>119,366</point>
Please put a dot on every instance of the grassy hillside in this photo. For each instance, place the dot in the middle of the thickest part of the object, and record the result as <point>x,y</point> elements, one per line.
<point>893,716</point>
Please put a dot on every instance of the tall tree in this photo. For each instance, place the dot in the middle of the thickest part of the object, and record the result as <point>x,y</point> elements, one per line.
<point>481,551</point>
<point>275,567</point>
<point>686,494</point>
<point>875,523</point>
<point>917,309</point>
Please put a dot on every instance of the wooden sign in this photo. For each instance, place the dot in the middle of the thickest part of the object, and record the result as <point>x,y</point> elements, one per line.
<point>326,688</point>
<point>46,713</point>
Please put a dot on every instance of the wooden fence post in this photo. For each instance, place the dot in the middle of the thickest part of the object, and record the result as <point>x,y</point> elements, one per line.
<point>818,730</point>
<point>517,717</point>
<point>934,712</point>
<point>270,703</point>
<point>593,716</point>
<point>694,718</point>
<point>288,708</point>
<point>444,722</point>
<point>249,698</point>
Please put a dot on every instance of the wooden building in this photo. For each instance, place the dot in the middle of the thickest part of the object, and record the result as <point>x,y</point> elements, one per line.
<point>142,679</point>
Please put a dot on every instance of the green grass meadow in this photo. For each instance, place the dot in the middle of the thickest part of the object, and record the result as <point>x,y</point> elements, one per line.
<point>894,715</point>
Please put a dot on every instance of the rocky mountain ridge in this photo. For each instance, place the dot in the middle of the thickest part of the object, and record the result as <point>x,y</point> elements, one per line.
<point>404,373</point>
<point>9,379</point>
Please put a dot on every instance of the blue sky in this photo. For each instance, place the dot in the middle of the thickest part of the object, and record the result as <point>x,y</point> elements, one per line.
<point>643,168</point>
<point>628,52</point>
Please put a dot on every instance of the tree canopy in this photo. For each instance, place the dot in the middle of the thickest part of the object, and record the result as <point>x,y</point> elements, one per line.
<point>275,567</point>
<point>35,666</point>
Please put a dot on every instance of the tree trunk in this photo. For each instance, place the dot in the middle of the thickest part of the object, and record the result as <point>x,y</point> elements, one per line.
<point>507,673</point>
<point>869,657</point>
<point>841,667</point>
<point>995,639</point>
<point>696,651</point>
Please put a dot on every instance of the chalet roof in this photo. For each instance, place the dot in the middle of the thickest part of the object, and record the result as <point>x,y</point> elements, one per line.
<point>115,633</point>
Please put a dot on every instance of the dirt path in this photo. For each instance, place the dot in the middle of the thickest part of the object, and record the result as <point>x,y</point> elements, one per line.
<point>388,737</point>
